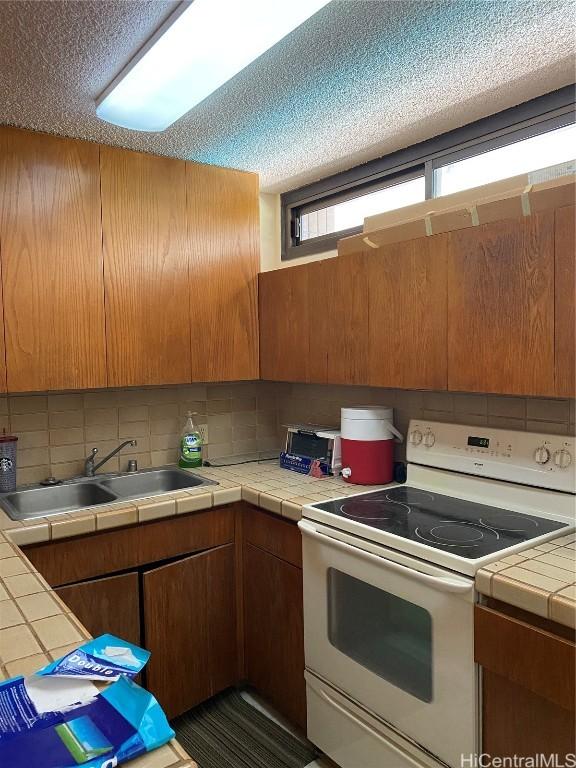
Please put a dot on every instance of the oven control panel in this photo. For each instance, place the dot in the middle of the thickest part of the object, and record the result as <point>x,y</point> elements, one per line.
<point>546,461</point>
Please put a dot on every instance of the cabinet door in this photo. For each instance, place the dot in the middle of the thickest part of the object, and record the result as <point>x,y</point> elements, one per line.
<point>2,335</point>
<point>501,307</point>
<point>274,631</point>
<point>565,320</point>
<point>105,605</point>
<point>146,267</point>
<point>516,721</point>
<point>407,324</point>
<point>223,232</point>
<point>50,240</point>
<point>528,688</point>
<point>189,626</point>
<point>285,324</point>
<point>338,289</point>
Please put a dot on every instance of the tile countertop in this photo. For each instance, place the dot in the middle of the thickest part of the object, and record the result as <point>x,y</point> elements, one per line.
<point>37,627</point>
<point>541,580</point>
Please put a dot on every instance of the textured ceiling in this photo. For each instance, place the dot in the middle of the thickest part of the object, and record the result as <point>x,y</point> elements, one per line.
<point>361,78</point>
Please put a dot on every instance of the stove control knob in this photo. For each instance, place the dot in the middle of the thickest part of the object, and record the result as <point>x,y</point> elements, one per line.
<point>429,439</point>
<point>415,437</point>
<point>562,458</point>
<point>542,455</point>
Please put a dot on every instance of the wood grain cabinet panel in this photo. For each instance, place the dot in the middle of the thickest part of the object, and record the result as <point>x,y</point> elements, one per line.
<point>528,688</point>
<point>285,324</point>
<point>407,320</point>
<point>3,383</point>
<point>501,307</point>
<point>517,722</point>
<point>339,320</point>
<point>146,268</point>
<point>111,604</point>
<point>224,236</point>
<point>79,558</point>
<point>50,240</point>
<point>565,298</point>
<point>271,533</point>
<point>189,623</point>
<point>274,631</point>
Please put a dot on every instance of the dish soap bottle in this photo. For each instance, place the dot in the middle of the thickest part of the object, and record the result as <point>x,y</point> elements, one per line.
<point>190,445</point>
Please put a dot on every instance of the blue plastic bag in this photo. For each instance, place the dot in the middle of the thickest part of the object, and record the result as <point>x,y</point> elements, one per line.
<point>117,725</point>
<point>105,658</point>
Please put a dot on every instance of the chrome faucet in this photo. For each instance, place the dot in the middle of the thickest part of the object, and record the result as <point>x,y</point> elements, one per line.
<point>89,466</point>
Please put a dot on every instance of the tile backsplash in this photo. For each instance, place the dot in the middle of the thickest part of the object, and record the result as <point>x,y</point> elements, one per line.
<point>57,431</point>
<point>321,404</point>
<point>245,419</point>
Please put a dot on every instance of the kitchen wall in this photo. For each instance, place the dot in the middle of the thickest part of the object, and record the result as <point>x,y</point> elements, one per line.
<point>56,431</point>
<point>322,403</point>
<point>271,238</point>
<point>245,419</point>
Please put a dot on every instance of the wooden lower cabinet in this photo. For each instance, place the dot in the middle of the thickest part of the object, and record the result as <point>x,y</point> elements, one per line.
<point>518,722</point>
<point>528,684</point>
<point>110,604</point>
<point>189,627</point>
<point>216,596</point>
<point>273,614</point>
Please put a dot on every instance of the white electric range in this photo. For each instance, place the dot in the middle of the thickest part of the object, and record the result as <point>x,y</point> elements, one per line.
<point>389,589</point>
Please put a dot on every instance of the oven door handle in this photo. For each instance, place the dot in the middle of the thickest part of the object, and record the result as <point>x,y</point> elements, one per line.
<point>442,583</point>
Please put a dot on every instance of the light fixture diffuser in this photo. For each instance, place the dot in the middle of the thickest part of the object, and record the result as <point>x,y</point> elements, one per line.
<point>201,46</point>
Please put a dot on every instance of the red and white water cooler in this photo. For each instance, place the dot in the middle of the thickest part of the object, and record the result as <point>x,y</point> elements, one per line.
<point>368,437</point>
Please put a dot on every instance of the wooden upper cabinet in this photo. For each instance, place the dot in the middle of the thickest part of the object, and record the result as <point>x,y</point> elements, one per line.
<point>285,324</point>
<point>224,237</point>
<point>3,385</point>
<point>501,307</point>
<point>407,305</point>
<point>50,240</point>
<point>146,268</point>
<point>338,292</point>
<point>565,319</point>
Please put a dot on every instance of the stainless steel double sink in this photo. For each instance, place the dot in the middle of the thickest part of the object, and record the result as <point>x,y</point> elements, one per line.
<point>71,495</point>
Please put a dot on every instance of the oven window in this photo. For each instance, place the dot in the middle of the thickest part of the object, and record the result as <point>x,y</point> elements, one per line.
<point>384,633</point>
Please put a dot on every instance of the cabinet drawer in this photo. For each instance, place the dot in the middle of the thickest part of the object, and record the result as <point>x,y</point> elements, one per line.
<point>183,535</point>
<point>272,534</point>
<point>70,560</point>
<point>86,557</point>
<point>528,656</point>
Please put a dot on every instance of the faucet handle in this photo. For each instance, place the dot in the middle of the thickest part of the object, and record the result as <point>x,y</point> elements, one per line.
<point>93,453</point>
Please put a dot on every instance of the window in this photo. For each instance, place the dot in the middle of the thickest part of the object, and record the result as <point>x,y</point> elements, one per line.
<point>350,214</point>
<point>522,156</point>
<point>382,632</point>
<point>523,139</point>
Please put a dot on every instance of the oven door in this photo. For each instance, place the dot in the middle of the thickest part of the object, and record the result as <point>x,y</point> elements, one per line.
<point>395,634</point>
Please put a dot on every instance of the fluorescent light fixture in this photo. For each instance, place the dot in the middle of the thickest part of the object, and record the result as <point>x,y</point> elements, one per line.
<point>201,46</point>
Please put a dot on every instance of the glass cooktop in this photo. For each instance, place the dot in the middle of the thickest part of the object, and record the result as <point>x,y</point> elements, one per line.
<point>454,525</point>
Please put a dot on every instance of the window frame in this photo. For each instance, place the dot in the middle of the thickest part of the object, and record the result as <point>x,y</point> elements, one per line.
<point>541,115</point>
<point>329,241</point>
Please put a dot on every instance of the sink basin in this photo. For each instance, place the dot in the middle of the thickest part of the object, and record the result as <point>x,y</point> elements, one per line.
<point>80,492</point>
<point>42,502</point>
<point>150,482</point>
